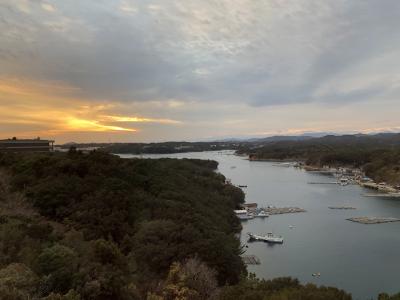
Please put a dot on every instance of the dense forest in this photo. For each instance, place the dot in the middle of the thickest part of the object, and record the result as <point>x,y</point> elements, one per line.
<point>95,226</point>
<point>378,155</point>
<point>157,148</point>
<point>179,147</point>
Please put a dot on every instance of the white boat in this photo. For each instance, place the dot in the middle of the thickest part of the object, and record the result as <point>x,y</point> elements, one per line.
<point>269,238</point>
<point>261,214</point>
<point>243,214</point>
<point>246,217</point>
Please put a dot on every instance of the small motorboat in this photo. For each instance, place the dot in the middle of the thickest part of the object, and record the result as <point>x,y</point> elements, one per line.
<point>261,214</point>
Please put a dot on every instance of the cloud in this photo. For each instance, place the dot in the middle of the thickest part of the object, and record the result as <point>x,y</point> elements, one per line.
<point>187,60</point>
<point>50,109</point>
<point>48,7</point>
<point>141,120</point>
<point>260,53</point>
<point>128,7</point>
<point>74,124</point>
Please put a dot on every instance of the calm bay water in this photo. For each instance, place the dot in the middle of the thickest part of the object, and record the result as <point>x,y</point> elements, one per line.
<point>362,259</point>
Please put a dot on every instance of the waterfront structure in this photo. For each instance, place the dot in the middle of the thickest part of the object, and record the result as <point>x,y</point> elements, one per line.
<point>269,238</point>
<point>26,145</point>
<point>250,206</point>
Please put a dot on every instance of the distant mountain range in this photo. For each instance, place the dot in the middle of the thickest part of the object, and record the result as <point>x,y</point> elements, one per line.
<point>278,138</point>
<point>388,139</point>
<point>314,135</point>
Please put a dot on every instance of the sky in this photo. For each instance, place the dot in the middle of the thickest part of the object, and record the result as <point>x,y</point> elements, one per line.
<point>142,70</point>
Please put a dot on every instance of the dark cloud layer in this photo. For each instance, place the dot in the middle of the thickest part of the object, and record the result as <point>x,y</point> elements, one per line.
<point>254,52</point>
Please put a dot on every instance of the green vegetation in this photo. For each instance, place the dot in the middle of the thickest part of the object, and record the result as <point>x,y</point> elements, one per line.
<point>107,226</point>
<point>158,148</point>
<point>94,226</point>
<point>378,155</point>
<point>385,296</point>
<point>280,289</point>
<point>168,147</point>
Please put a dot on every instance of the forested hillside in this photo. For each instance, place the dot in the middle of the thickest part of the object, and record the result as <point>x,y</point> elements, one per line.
<point>100,225</point>
<point>378,155</point>
<point>94,226</point>
<point>164,148</point>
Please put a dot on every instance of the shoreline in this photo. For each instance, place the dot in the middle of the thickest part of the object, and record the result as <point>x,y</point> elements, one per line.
<point>286,160</point>
<point>352,174</point>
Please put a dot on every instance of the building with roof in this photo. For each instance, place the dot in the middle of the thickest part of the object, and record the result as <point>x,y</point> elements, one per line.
<point>26,145</point>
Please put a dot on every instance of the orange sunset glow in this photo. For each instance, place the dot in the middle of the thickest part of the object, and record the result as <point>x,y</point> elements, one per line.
<point>132,71</point>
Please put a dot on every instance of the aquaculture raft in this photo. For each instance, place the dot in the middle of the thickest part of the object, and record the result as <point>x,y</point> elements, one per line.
<point>373,220</point>
<point>341,207</point>
<point>283,210</point>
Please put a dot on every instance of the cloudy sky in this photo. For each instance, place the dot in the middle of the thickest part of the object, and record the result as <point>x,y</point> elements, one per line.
<point>142,70</point>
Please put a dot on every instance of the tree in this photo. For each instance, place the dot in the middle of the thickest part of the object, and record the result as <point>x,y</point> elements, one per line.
<point>191,280</point>
<point>17,281</point>
<point>252,288</point>
<point>58,264</point>
<point>71,295</point>
<point>384,296</point>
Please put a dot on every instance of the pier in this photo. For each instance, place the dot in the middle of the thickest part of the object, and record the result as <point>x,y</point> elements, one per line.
<point>383,195</point>
<point>251,260</point>
<point>333,182</point>
<point>380,187</point>
<point>321,172</point>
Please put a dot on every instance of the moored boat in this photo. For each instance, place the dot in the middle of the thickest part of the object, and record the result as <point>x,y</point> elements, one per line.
<point>261,214</point>
<point>243,214</point>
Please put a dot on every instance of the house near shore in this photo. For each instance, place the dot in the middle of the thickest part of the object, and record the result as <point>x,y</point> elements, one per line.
<point>250,206</point>
<point>26,145</point>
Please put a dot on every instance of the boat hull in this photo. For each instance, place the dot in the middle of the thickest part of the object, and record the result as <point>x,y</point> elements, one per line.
<point>267,239</point>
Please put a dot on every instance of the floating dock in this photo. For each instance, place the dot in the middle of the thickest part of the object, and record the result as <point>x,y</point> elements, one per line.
<point>269,238</point>
<point>251,260</point>
<point>321,172</point>
<point>341,207</point>
<point>380,187</point>
<point>283,210</point>
<point>373,220</point>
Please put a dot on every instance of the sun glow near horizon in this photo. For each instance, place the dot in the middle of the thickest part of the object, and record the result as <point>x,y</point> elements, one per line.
<point>131,71</point>
<point>74,124</point>
<point>50,109</point>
